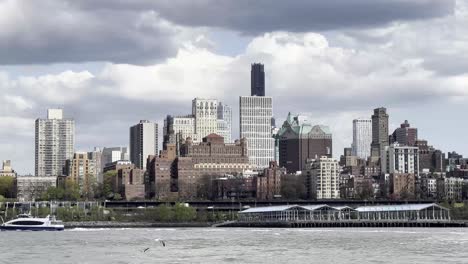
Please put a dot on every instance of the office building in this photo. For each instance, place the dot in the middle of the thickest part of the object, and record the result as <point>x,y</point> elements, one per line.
<point>205,112</point>
<point>225,122</point>
<point>299,140</point>
<point>379,133</point>
<point>405,135</point>
<point>143,142</point>
<point>362,138</point>
<point>54,143</point>
<point>257,80</point>
<point>255,126</point>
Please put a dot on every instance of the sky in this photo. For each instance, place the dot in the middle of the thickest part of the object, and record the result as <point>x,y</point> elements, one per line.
<point>111,63</point>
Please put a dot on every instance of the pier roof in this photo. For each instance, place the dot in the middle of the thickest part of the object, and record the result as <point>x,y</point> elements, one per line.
<point>400,207</point>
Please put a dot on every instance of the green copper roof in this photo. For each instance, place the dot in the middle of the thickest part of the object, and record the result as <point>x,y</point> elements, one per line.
<point>302,127</point>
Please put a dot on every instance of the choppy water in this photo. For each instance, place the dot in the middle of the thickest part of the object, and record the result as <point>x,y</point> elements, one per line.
<point>213,245</point>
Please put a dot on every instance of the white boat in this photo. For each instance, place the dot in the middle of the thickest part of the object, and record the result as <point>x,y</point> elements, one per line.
<point>26,222</point>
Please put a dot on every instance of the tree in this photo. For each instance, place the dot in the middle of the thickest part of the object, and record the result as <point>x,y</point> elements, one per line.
<point>108,185</point>
<point>183,213</point>
<point>164,213</point>
<point>89,187</point>
<point>7,186</point>
<point>2,199</point>
<point>72,190</point>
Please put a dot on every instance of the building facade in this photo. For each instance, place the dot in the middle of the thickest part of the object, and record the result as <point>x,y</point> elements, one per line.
<point>54,143</point>
<point>225,122</point>
<point>405,135</point>
<point>299,140</point>
<point>143,142</point>
<point>84,170</point>
<point>397,158</point>
<point>322,178</point>
<point>205,112</point>
<point>379,132</point>
<point>257,80</point>
<point>362,138</point>
<point>255,126</point>
<point>30,188</point>
<point>269,182</point>
<point>7,170</point>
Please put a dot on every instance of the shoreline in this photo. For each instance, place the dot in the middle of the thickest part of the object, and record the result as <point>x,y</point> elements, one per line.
<point>111,224</point>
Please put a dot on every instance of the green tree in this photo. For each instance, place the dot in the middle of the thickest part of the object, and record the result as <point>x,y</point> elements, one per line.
<point>164,213</point>
<point>7,186</point>
<point>108,185</point>
<point>2,198</point>
<point>72,190</point>
<point>184,213</point>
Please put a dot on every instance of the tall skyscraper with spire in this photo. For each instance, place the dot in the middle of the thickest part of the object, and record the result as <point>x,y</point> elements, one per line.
<point>257,80</point>
<point>256,112</point>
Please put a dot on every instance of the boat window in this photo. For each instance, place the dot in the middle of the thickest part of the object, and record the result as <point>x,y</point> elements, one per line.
<point>26,223</point>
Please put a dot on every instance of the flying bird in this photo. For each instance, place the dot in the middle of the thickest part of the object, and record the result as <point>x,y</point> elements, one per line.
<point>146,249</point>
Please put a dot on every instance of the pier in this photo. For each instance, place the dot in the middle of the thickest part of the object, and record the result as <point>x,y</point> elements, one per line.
<point>409,215</point>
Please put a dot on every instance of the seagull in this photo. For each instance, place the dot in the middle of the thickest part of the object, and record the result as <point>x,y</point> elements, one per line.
<point>163,243</point>
<point>146,249</point>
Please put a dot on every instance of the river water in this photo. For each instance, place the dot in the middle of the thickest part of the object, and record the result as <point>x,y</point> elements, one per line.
<point>237,245</point>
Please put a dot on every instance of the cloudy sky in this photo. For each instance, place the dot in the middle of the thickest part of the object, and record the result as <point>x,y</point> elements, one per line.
<point>110,63</point>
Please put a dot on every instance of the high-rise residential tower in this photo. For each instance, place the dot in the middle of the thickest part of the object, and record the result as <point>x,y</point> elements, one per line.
<point>205,112</point>
<point>54,143</point>
<point>225,122</point>
<point>322,178</point>
<point>362,138</point>
<point>255,126</point>
<point>257,80</point>
<point>143,142</point>
<point>379,132</point>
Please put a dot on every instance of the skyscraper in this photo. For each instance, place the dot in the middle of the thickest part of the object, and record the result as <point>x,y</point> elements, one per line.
<point>225,122</point>
<point>362,138</point>
<point>205,112</point>
<point>54,143</point>
<point>379,132</point>
<point>143,142</point>
<point>257,80</point>
<point>255,125</point>
<point>299,140</point>
<point>405,135</point>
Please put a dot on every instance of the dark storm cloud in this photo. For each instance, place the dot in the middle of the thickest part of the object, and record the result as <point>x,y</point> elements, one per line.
<point>258,16</point>
<point>105,30</point>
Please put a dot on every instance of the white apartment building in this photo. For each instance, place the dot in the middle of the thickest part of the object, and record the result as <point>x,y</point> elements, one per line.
<point>225,122</point>
<point>29,188</point>
<point>362,137</point>
<point>397,158</point>
<point>205,112</point>
<point>112,154</point>
<point>143,142</point>
<point>177,128</point>
<point>323,178</point>
<point>255,125</point>
<point>54,143</point>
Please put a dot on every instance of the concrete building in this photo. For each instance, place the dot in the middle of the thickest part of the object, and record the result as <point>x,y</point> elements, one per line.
<point>177,129</point>
<point>162,174</point>
<point>117,165</point>
<point>112,154</point>
<point>83,169</point>
<point>257,80</point>
<point>429,158</point>
<point>7,170</point>
<point>362,138</point>
<point>205,112</point>
<point>397,158</point>
<point>30,188</point>
<point>143,142</point>
<point>402,185</point>
<point>299,140</point>
<point>269,182</point>
<point>130,183</point>
<point>54,143</point>
<point>322,178</point>
<point>255,126</point>
<point>225,122</point>
<point>451,188</point>
<point>379,133</point>
<point>405,135</point>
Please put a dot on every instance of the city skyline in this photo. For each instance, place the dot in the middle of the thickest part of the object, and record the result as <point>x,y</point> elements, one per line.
<point>333,71</point>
